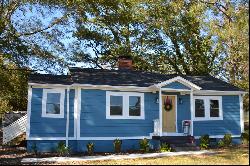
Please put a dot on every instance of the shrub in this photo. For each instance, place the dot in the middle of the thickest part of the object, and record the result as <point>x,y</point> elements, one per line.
<point>34,148</point>
<point>62,149</point>
<point>227,139</point>
<point>204,141</point>
<point>117,145</point>
<point>165,147</point>
<point>221,144</point>
<point>90,148</point>
<point>245,137</point>
<point>144,145</point>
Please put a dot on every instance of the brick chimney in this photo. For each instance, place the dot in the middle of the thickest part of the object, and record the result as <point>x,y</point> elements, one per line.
<point>125,62</point>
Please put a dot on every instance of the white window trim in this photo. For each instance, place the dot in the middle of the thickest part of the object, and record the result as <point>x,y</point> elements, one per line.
<point>44,101</point>
<point>125,108</point>
<point>207,108</point>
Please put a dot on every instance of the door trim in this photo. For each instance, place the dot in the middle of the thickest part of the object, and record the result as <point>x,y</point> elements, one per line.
<point>176,126</point>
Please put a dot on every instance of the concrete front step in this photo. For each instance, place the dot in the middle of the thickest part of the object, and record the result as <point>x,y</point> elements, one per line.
<point>177,139</point>
<point>180,143</point>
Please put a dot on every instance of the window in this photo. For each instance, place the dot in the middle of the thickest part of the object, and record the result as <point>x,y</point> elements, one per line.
<point>214,108</point>
<point>124,105</point>
<point>208,108</point>
<point>134,106</point>
<point>53,103</point>
<point>116,105</point>
<point>199,108</point>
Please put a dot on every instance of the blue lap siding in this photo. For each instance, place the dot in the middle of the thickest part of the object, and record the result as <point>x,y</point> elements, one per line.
<point>50,127</point>
<point>93,122</point>
<point>183,110</point>
<point>229,124</point>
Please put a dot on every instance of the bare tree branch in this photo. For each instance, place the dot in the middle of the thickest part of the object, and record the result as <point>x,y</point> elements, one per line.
<point>55,22</point>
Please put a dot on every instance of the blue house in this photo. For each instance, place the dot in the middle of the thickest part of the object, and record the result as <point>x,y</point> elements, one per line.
<point>97,105</point>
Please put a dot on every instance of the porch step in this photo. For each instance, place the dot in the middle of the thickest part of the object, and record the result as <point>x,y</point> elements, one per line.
<point>180,143</point>
<point>177,139</point>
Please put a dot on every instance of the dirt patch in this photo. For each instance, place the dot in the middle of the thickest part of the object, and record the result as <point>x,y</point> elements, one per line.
<point>14,155</point>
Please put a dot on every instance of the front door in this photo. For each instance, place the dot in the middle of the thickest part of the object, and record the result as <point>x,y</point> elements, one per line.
<point>169,114</point>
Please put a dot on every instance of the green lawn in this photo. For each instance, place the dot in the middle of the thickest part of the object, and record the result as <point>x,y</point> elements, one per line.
<point>232,156</point>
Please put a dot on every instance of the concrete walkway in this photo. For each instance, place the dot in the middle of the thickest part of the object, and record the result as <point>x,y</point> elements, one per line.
<point>114,157</point>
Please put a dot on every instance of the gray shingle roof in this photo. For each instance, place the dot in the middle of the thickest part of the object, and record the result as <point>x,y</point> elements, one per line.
<point>126,78</point>
<point>50,79</point>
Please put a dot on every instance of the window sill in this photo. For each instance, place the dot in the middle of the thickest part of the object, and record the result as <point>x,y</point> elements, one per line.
<point>53,116</point>
<point>123,117</point>
<point>207,119</point>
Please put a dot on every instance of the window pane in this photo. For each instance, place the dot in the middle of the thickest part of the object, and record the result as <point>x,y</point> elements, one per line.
<point>53,97</point>
<point>134,106</point>
<point>214,108</point>
<point>52,108</point>
<point>53,103</point>
<point>199,108</point>
<point>115,105</point>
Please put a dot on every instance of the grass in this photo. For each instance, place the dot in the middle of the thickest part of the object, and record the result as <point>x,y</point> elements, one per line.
<point>231,156</point>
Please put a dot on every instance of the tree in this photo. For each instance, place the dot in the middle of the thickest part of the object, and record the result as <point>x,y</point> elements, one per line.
<point>26,42</point>
<point>231,27</point>
<point>27,35</point>
<point>181,38</point>
<point>108,29</point>
<point>161,36</point>
<point>13,85</point>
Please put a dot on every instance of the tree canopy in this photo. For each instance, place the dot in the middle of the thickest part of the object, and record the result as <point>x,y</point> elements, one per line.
<point>197,37</point>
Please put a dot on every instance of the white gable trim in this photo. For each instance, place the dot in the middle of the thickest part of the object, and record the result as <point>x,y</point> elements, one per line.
<point>181,80</point>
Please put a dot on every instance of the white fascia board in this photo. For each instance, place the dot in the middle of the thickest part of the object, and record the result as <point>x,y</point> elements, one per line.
<point>214,92</point>
<point>87,138</point>
<point>48,85</point>
<point>152,88</point>
<point>178,79</point>
<point>90,86</point>
<point>107,87</point>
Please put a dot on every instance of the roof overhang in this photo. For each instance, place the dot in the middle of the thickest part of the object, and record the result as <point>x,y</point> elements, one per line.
<point>90,86</point>
<point>135,88</point>
<point>180,80</point>
<point>215,92</point>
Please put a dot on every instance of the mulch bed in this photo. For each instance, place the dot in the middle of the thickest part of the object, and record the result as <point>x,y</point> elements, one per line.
<point>14,155</point>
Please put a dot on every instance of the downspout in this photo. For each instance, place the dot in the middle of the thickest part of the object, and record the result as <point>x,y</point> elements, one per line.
<point>160,111</point>
<point>67,119</point>
<point>192,110</point>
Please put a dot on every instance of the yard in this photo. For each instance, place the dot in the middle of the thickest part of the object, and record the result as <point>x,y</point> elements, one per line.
<point>231,156</point>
